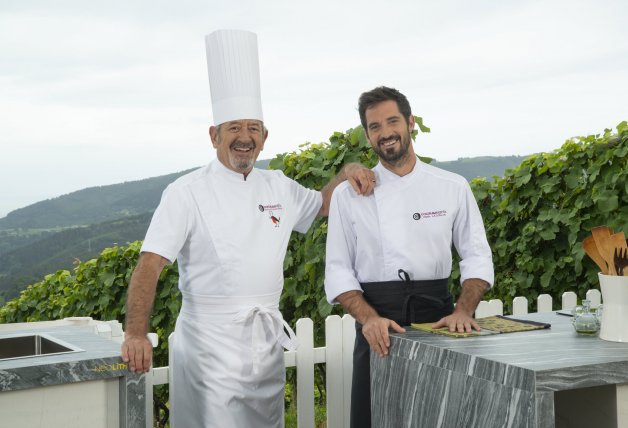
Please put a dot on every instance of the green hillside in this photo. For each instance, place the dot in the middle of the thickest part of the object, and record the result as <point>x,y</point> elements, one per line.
<point>60,250</point>
<point>91,205</point>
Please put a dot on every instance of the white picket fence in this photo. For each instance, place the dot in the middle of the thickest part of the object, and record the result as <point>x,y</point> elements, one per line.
<point>337,354</point>
<point>544,303</point>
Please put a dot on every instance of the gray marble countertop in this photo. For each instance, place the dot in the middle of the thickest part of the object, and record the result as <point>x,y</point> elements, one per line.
<point>99,359</point>
<point>542,360</point>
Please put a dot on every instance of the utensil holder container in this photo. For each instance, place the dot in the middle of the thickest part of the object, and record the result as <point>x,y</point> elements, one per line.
<point>615,311</point>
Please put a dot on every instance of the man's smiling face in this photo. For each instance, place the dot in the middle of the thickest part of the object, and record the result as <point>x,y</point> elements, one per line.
<point>238,143</point>
<point>388,132</point>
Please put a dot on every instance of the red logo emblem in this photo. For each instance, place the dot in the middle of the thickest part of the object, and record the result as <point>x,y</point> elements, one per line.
<point>274,219</point>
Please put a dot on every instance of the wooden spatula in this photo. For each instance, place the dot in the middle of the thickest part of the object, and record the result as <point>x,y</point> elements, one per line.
<point>602,238</point>
<point>619,240</point>
<point>591,249</point>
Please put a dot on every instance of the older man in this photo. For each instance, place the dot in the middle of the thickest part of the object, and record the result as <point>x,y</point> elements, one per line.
<point>228,225</point>
<point>389,254</point>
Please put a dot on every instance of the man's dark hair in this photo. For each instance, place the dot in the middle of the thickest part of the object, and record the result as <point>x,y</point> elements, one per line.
<point>379,94</point>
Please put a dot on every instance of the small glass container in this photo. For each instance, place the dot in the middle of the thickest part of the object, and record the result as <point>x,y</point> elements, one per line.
<point>584,320</point>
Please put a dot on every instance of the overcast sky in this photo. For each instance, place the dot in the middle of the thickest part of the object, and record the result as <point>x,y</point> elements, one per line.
<point>95,93</point>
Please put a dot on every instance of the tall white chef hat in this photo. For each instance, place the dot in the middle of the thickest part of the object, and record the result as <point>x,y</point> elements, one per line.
<point>233,68</point>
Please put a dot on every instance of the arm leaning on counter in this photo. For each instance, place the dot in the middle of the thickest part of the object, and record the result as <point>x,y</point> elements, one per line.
<point>137,349</point>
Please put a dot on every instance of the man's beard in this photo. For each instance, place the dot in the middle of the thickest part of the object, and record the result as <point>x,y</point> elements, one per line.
<point>239,164</point>
<point>393,155</point>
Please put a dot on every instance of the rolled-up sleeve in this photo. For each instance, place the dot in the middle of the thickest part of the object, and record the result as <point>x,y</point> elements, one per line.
<point>470,241</point>
<point>340,275</point>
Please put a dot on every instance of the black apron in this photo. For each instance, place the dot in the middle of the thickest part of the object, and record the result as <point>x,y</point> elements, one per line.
<point>404,302</point>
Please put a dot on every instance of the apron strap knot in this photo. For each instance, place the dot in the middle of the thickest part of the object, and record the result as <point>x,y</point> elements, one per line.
<point>405,276</point>
<point>272,319</point>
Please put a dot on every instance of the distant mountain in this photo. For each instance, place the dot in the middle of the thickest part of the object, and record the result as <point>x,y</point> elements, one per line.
<point>483,166</point>
<point>262,163</point>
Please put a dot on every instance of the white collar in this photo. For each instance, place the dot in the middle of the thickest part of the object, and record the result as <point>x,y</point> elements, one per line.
<point>385,175</point>
<point>217,167</point>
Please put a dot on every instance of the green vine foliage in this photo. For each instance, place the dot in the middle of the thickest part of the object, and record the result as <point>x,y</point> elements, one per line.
<point>537,215</point>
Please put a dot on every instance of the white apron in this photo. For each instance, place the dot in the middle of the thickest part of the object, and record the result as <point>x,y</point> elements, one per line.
<point>221,382</point>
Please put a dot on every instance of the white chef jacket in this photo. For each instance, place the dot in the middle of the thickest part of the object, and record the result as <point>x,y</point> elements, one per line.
<point>229,236</point>
<point>407,223</point>
<point>221,230</point>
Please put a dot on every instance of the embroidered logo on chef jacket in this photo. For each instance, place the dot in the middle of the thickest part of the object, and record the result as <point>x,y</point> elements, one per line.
<point>269,207</point>
<point>429,214</point>
<point>272,209</point>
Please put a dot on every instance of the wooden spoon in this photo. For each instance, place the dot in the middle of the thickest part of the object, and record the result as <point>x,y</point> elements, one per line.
<point>602,238</point>
<point>591,249</point>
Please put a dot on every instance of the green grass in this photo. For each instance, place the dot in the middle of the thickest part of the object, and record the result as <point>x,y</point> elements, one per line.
<point>320,417</point>
<point>320,411</point>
